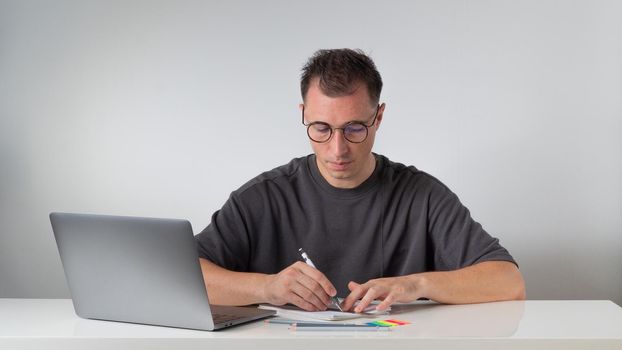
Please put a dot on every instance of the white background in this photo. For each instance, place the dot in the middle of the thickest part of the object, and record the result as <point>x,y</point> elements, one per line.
<point>162,108</point>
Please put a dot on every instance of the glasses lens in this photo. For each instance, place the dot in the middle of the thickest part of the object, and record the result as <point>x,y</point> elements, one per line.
<point>319,132</point>
<point>355,132</point>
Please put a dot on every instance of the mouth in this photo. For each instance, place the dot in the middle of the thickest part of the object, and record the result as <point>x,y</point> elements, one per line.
<point>339,166</point>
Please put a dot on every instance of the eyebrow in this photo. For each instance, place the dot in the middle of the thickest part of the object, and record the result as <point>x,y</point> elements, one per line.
<point>340,126</point>
<point>346,123</point>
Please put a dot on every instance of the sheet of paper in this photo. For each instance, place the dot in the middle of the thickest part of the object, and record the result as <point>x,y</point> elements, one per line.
<point>295,313</point>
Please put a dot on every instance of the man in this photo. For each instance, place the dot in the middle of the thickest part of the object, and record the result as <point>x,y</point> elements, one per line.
<point>375,229</point>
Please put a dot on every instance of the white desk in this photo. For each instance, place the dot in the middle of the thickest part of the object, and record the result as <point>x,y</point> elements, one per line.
<point>52,324</point>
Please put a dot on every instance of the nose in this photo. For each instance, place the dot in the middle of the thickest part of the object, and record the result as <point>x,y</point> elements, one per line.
<point>338,143</point>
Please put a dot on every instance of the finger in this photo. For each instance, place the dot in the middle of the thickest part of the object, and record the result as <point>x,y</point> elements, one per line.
<point>353,285</point>
<point>301,303</point>
<point>305,293</point>
<point>367,299</point>
<point>358,290</point>
<point>317,276</point>
<point>388,301</point>
<point>315,288</point>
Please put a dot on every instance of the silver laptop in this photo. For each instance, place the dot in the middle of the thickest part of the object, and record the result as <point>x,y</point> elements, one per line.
<point>139,270</point>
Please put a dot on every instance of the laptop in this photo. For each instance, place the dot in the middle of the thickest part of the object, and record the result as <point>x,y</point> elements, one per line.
<point>139,270</point>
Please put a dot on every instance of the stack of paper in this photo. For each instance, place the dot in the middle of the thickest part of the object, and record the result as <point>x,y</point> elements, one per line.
<point>295,313</point>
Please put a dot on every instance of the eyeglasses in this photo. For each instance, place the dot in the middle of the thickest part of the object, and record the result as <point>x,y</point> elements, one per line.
<point>355,132</point>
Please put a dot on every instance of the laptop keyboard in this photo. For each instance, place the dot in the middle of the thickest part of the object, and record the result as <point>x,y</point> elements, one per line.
<point>220,318</point>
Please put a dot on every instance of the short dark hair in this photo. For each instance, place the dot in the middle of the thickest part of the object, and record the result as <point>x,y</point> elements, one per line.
<point>339,71</point>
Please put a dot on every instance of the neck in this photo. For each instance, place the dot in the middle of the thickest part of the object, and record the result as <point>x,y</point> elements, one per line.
<point>368,169</point>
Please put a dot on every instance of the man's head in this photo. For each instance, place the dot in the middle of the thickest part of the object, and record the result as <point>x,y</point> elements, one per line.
<point>339,72</point>
<point>341,90</point>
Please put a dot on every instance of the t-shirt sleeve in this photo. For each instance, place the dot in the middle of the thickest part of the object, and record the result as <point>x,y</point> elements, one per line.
<point>458,240</point>
<point>225,240</point>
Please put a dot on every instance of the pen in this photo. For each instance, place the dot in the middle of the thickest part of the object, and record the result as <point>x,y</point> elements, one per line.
<point>309,323</point>
<point>307,260</point>
<point>336,327</point>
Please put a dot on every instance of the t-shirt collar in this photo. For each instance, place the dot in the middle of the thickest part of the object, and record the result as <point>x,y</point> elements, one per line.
<point>367,185</point>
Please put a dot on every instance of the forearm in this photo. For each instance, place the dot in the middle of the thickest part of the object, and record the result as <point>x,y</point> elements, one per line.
<point>232,288</point>
<point>483,282</point>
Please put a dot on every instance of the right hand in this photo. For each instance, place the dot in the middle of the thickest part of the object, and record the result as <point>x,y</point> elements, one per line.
<point>301,285</point>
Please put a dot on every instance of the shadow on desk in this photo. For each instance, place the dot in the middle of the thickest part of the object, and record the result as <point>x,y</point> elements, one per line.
<point>428,320</point>
<point>498,319</point>
<point>101,328</point>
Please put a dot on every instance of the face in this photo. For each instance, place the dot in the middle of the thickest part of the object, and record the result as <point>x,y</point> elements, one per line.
<point>342,163</point>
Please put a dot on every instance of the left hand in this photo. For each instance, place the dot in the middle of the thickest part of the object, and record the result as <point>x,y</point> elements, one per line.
<point>390,290</point>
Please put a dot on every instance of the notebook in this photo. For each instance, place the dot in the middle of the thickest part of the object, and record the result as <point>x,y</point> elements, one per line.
<point>295,313</point>
<point>139,270</point>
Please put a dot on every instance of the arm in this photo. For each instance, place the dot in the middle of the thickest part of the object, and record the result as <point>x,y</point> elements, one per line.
<point>298,284</point>
<point>457,241</point>
<point>482,282</point>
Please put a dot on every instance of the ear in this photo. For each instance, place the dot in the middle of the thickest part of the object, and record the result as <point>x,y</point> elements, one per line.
<point>380,115</point>
<point>301,108</point>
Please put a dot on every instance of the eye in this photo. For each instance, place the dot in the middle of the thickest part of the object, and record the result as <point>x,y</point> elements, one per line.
<point>320,127</point>
<point>355,128</point>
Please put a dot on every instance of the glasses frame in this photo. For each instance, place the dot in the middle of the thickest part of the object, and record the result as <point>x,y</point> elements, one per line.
<point>343,129</point>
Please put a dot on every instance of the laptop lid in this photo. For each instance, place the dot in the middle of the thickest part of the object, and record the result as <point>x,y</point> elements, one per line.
<point>139,270</point>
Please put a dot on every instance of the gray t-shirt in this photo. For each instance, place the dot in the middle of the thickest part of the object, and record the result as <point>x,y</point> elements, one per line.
<point>399,221</point>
